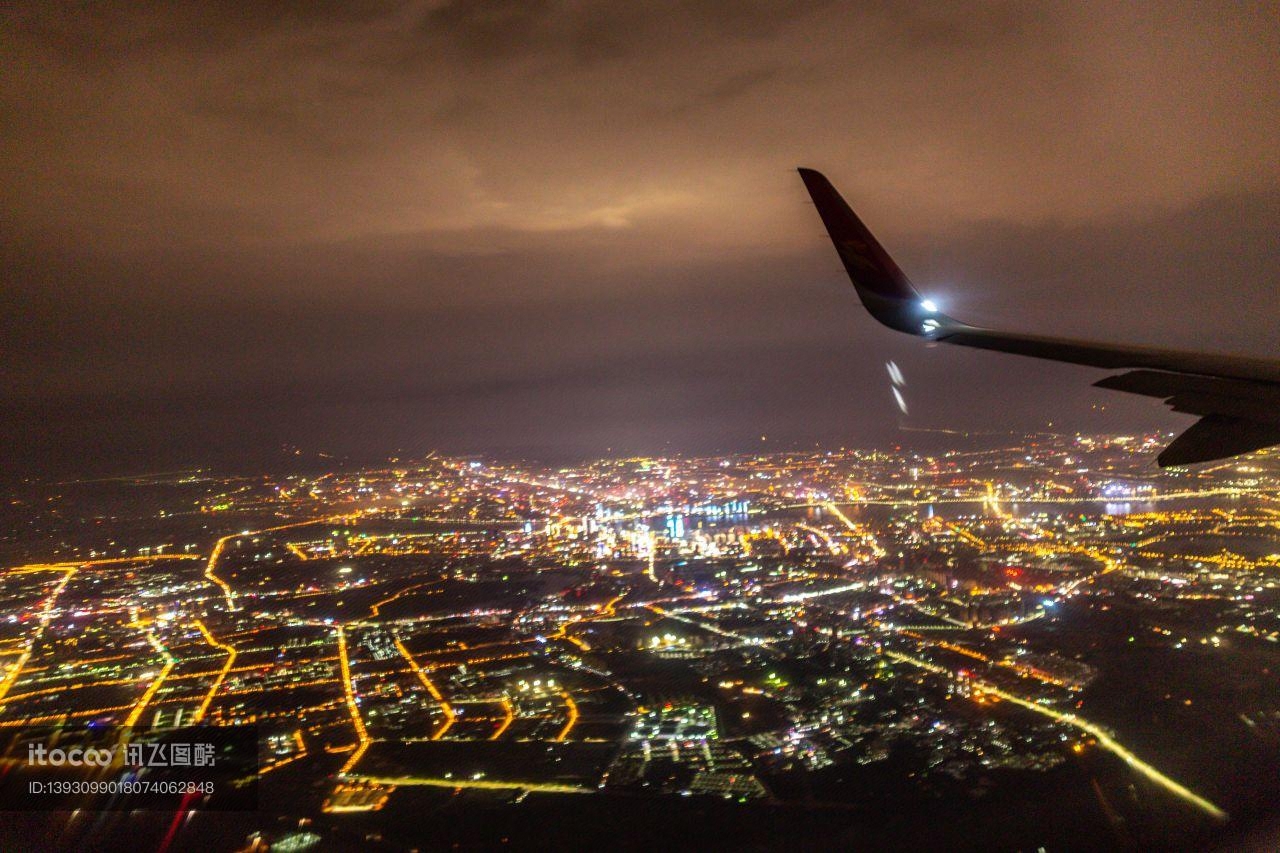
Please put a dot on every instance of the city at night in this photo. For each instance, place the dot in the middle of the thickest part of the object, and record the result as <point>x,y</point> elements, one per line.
<point>483,425</point>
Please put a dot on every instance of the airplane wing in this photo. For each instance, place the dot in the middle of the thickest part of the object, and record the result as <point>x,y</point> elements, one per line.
<point>1237,398</point>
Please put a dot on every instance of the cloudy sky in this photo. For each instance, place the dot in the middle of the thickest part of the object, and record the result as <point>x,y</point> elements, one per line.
<point>568,229</point>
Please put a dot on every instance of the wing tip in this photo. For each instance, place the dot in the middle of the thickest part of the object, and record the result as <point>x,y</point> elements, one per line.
<point>817,184</point>
<point>884,289</point>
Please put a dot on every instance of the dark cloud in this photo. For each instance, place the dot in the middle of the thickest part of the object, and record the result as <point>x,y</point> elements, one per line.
<point>491,29</point>
<point>572,226</point>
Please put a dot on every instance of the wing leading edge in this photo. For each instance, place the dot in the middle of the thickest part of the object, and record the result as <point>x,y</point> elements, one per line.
<point>1237,398</point>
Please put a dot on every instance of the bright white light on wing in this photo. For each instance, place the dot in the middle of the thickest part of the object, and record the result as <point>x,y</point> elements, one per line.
<point>929,305</point>
<point>902,404</point>
<point>895,374</point>
<point>931,325</point>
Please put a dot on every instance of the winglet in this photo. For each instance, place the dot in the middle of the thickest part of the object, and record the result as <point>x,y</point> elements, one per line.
<point>883,288</point>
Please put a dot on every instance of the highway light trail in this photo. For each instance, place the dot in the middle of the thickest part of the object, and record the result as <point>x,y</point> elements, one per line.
<point>375,610</point>
<point>707,626</point>
<point>483,784</point>
<point>1110,744</point>
<point>822,593</point>
<point>605,610</point>
<point>211,574</point>
<point>449,715</point>
<point>348,690</point>
<point>509,715</point>
<point>46,614</point>
<point>222,675</point>
<point>210,569</point>
<point>104,561</point>
<point>980,497</point>
<point>1104,740</point>
<point>844,519</point>
<point>64,688</point>
<point>169,663</point>
<point>573,715</point>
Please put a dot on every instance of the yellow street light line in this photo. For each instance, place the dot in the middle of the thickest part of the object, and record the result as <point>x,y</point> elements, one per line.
<point>46,614</point>
<point>449,715</point>
<point>169,663</point>
<point>222,675</point>
<point>362,735</point>
<point>1104,740</point>
<point>487,784</point>
<point>573,715</point>
<point>510,714</point>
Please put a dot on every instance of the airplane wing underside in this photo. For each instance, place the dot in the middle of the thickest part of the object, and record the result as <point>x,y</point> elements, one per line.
<point>1237,398</point>
<point>1236,416</point>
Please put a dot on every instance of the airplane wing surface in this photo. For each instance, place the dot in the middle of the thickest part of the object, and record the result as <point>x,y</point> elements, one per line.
<point>1236,397</point>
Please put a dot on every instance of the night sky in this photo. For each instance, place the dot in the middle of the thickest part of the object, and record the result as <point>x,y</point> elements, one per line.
<point>569,229</point>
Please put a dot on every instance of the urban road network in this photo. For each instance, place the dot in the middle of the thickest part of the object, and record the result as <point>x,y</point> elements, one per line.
<point>707,627</point>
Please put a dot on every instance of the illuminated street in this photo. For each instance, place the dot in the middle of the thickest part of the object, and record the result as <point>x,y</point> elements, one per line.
<point>710,627</point>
